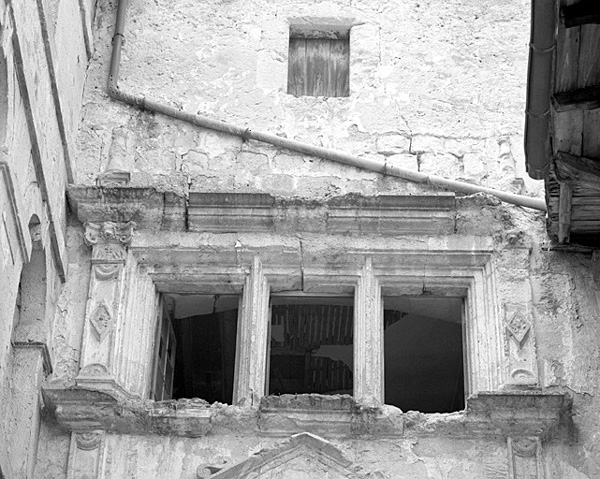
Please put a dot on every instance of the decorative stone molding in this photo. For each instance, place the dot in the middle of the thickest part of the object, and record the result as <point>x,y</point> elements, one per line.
<point>118,331</point>
<point>85,454</point>
<point>88,441</point>
<point>14,225</point>
<point>509,414</point>
<point>520,347</point>
<point>304,453</point>
<point>94,370</point>
<point>524,458</point>
<point>518,327</point>
<point>227,212</point>
<point>101,320</point>
<point>109,232</point>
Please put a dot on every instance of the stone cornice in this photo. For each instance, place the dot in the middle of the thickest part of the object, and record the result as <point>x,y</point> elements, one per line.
<point>257,212</point>
<point>488,415</point>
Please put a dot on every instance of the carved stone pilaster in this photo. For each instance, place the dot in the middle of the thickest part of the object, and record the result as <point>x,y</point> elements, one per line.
<point>524,458</point>
<point>85,455</point>
<point>109,243</point>
<point>368,352</point>
<point>520,347</point>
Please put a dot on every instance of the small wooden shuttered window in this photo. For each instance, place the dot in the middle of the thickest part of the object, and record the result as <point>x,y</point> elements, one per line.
<point>319,66</point>
<point>164,357</point>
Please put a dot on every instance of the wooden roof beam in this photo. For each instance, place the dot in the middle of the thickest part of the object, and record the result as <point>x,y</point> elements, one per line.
<point>577,169</point>
<point>580,99</point>
<point>565,206</point>
<point>582,13</point>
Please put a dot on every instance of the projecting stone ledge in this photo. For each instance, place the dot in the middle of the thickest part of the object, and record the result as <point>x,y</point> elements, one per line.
<point>152,210</point>
<point>503,414</point>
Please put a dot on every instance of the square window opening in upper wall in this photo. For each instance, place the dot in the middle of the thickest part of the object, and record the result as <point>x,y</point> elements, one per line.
<point>311,345</point>
<point>196,347</point>
<point>319,59</point>
<point>423,353</point>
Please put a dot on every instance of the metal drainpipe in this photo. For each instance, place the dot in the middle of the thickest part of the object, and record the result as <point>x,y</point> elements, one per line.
<point>538,150</point>
<point>338,156</point>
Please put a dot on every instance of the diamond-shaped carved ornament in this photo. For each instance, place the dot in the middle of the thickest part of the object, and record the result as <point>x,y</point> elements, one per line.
<point>101,320</point>
<point>518,327</point>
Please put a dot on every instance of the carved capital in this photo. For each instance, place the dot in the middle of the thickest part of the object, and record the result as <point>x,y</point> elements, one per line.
<point>109,232</point>
<point>109,241</point>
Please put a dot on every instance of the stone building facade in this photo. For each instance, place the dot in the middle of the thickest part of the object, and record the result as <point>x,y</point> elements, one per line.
<point>191,291</point>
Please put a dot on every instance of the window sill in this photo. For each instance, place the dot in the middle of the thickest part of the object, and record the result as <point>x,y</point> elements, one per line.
<point>514,413</point>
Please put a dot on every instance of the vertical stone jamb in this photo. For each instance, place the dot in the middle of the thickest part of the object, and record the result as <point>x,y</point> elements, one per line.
<point>85,454</point>
<point>252,339</point>
<point>109,243</point>
<point>483,344</point>
<point>525,458</point>
<point>368,339</point>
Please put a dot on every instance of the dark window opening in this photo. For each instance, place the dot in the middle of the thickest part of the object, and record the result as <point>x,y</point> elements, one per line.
<point>423,353</point>
<point>319,63</point>
<point>311,346</point>
<point>196,348</point>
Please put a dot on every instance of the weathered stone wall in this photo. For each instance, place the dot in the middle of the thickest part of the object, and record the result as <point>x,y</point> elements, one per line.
<point>434,86</point>
<point>41,81</point>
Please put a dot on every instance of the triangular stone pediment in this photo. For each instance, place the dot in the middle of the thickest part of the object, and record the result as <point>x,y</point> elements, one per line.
<point>303,456</point>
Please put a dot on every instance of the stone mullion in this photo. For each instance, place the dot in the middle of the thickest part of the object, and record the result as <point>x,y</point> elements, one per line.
<point>368,339</point>
<point>252,339</point>
<point>109,243</point>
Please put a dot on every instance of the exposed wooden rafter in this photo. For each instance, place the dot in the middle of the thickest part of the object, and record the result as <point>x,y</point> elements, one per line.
<point>579,99</point>
<point>582,13</point>
<point>577,169</point>
<point>565,204</point>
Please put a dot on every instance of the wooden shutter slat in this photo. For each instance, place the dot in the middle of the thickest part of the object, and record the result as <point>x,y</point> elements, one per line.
<point>297,67</point>
<point>317,66</point>
<point>340,68</point>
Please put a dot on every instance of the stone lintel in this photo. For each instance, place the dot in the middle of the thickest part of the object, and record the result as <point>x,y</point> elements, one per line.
<point>258,212</point>
<point>514,414</point>
<point>172,258</point>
